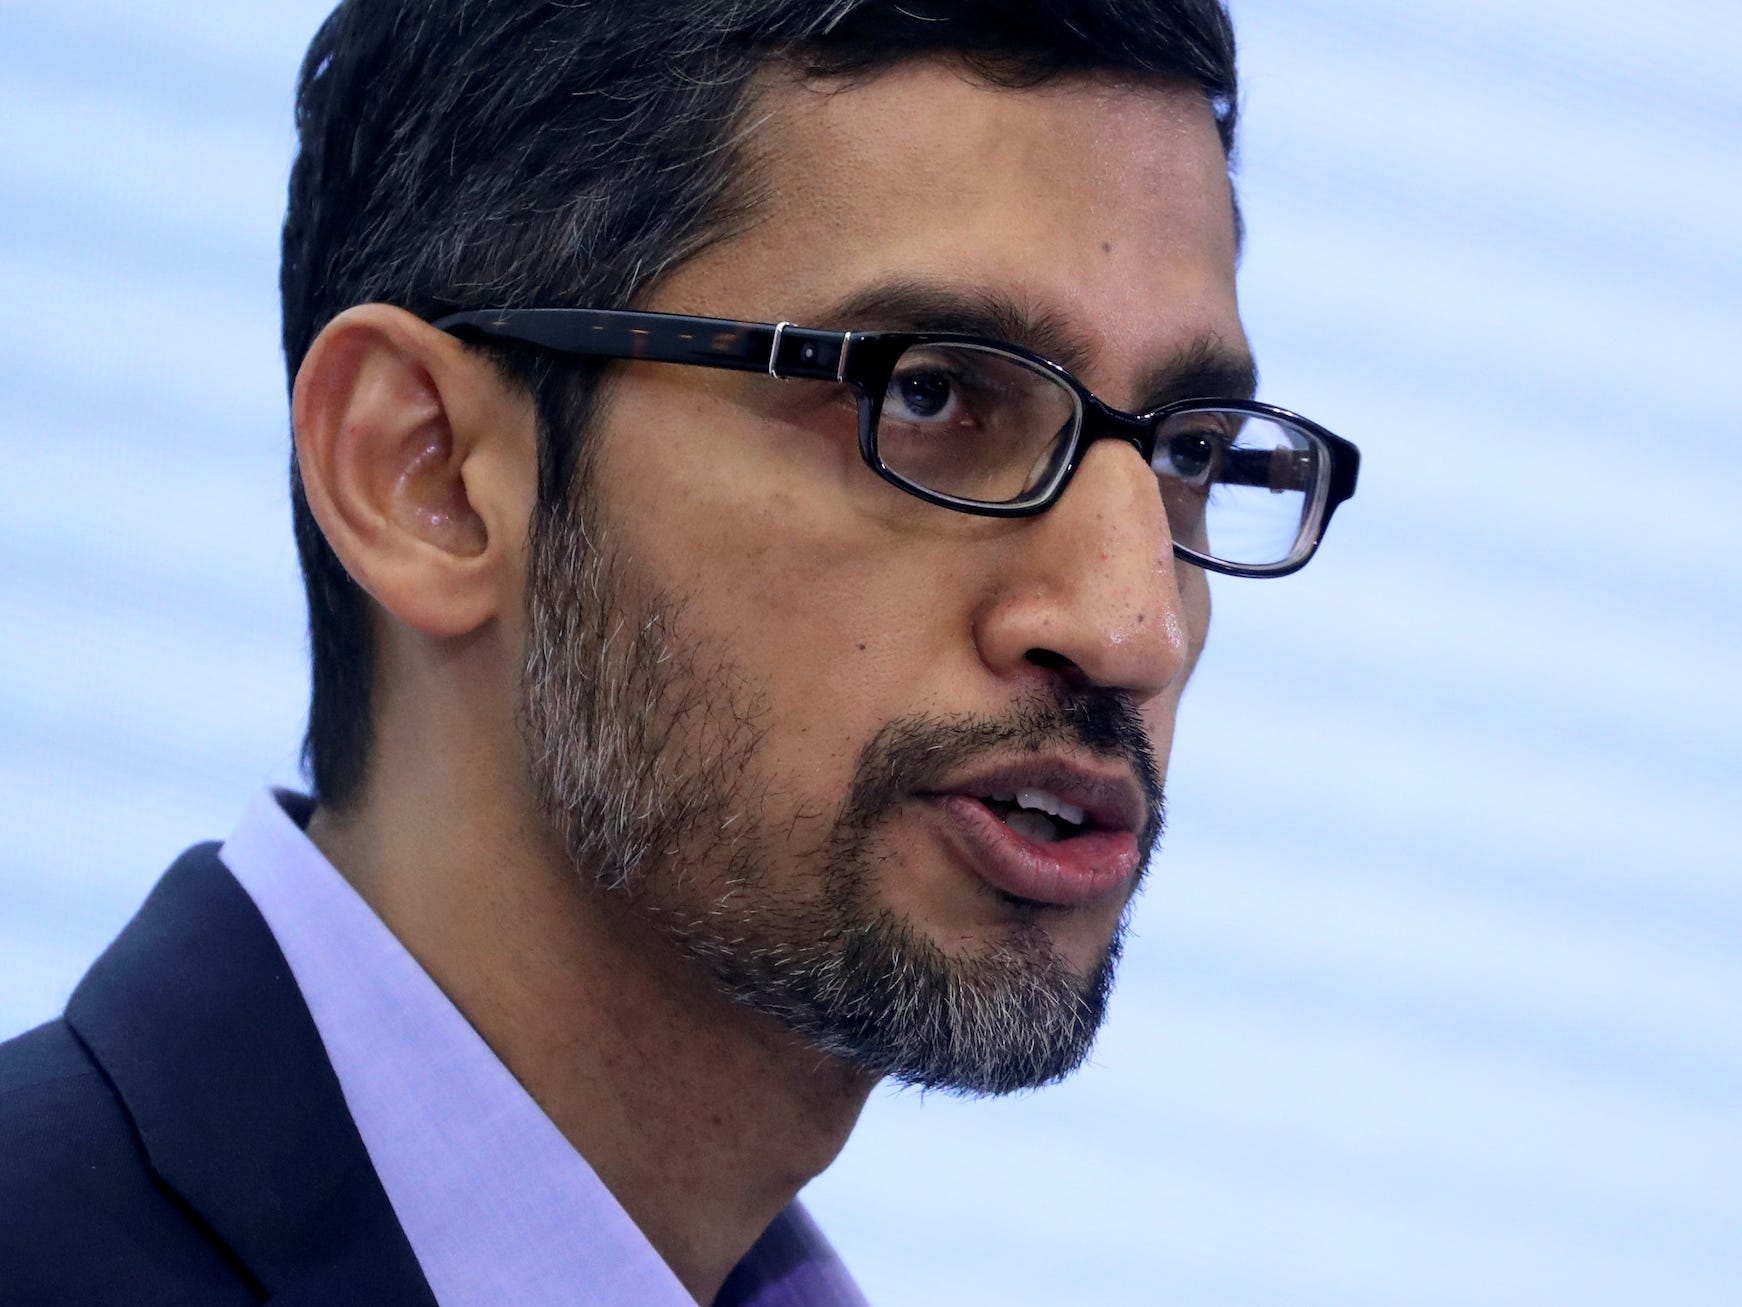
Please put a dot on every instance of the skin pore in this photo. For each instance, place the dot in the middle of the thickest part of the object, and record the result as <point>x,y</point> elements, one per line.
<point>819,602</point>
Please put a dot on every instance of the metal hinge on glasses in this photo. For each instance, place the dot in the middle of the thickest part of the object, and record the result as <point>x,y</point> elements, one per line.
<point>808,353</point>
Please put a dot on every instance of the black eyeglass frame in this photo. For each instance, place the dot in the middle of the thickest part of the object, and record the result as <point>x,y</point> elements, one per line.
<point>865,360</point>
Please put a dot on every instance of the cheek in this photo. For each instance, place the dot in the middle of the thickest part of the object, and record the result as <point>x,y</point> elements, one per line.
<point>832,617</point>
<point>1195,608</point>
<point>1191,619</point>
<point>837,643</point>
<point>797,594</point>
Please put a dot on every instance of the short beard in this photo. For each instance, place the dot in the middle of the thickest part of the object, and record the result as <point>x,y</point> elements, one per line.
<point>642,757</point>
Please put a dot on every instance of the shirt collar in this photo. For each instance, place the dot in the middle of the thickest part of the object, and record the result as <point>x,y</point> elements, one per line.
<point>495,1202</point>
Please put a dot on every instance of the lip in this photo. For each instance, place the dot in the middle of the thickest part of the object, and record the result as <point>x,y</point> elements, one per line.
<point>1083,870</point>
<point>1111,798</point>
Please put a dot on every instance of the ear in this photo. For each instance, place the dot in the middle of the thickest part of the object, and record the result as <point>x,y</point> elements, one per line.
<point>419,463</point>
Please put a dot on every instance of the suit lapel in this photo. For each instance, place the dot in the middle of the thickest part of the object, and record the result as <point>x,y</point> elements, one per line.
<point>194,1016</point>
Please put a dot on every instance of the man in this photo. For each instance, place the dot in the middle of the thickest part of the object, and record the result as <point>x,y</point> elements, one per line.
<point>745,657</point>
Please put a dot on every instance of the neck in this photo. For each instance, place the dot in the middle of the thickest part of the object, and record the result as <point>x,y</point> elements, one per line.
<point>703,1119</point>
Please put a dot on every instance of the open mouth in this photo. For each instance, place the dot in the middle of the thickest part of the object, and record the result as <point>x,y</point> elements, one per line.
<point>1039,816</point>
<point>1045,832</point>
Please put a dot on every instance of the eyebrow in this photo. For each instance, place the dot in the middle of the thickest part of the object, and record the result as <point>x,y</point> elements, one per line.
<point>1202,368</point>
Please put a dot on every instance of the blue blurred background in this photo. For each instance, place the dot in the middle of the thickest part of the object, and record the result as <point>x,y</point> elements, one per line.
<point>1436,996</point>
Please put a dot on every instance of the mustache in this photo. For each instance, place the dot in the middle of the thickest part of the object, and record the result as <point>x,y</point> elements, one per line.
<point>920,752</point>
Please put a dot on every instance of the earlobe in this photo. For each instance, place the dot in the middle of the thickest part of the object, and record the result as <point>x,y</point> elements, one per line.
<point>388,448</point>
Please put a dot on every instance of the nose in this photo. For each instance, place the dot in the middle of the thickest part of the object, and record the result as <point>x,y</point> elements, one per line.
<point>1090,589</point>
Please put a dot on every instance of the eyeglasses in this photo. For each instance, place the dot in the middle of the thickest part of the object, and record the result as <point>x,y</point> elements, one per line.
<point>985,427</point>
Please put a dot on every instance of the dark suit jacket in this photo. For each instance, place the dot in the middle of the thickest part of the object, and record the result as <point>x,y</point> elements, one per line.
<point>179,1136</point>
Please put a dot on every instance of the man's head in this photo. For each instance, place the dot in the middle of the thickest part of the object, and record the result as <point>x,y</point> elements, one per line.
<point>773,706</point>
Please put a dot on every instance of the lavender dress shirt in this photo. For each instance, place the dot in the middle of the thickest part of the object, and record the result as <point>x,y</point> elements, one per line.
<point>495,1202</point>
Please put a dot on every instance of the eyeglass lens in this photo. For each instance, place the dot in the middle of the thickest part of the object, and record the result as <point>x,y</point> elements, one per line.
<point>975,423</point>
<point>978,424</point>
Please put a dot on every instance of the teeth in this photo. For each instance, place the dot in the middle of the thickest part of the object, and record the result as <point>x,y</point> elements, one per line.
<point>1044,802</point>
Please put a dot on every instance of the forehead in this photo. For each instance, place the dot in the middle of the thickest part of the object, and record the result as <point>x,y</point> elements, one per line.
<point>1103,203</point>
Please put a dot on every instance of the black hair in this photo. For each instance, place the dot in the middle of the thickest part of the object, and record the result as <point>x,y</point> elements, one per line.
<point>513,153</point>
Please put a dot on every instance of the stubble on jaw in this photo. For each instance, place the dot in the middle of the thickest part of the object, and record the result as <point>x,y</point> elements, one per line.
<point>643,747</point>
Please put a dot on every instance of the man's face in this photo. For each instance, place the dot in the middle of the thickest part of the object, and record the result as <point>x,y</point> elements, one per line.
<point>778,704</point>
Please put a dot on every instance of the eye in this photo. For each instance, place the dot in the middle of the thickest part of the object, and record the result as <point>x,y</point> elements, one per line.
<point>928,394</point>
<point>1190,456</point>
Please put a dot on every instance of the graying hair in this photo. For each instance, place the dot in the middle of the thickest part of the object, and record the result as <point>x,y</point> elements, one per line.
<point>642,752</point>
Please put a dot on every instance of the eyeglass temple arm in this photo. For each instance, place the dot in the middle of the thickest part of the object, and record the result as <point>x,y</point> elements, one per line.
<point>785,351</point>
<point>1278,470</point>
<point>780,349</point>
